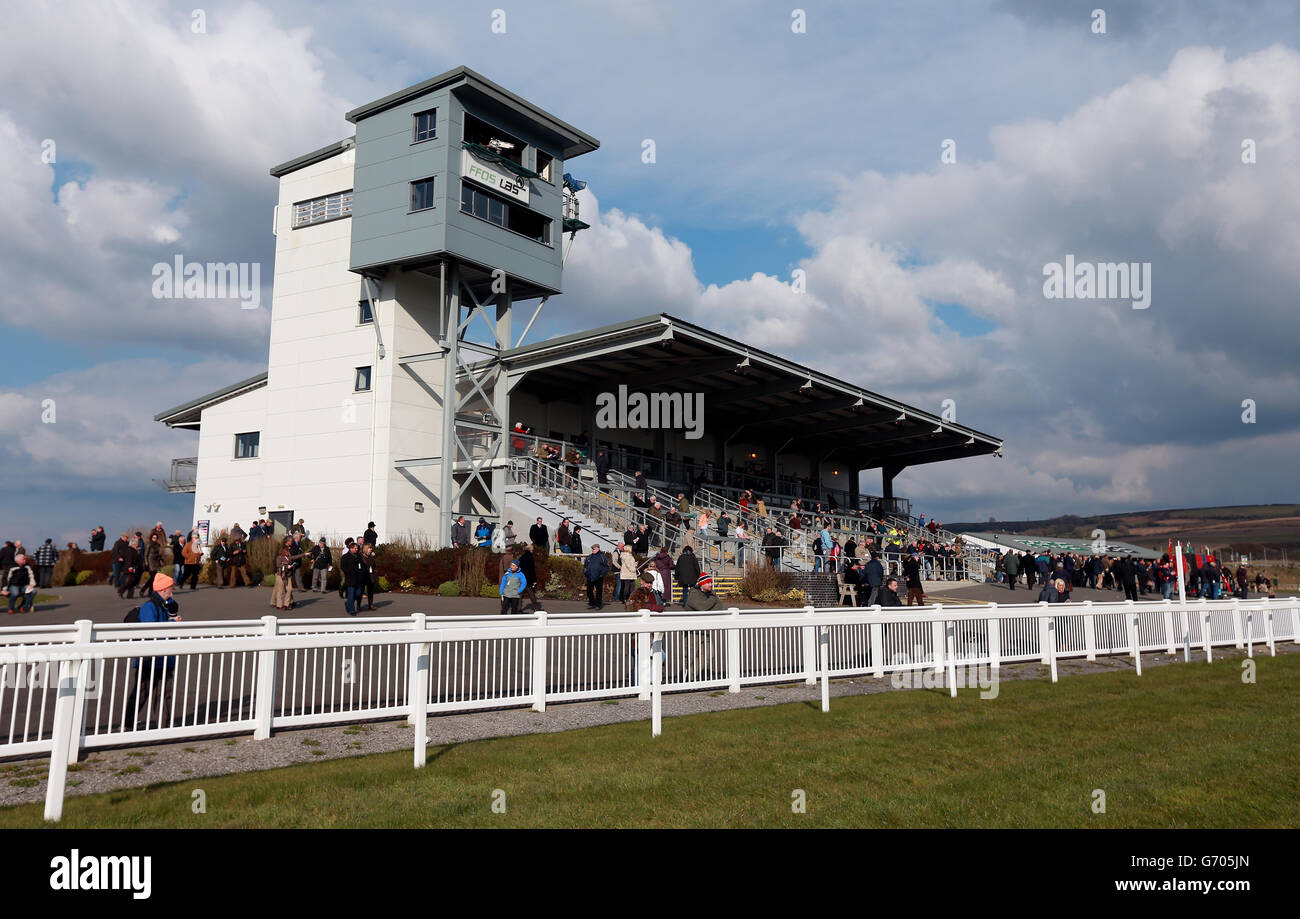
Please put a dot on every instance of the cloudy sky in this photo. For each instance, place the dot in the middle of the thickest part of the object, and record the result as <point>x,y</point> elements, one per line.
<point>131,132</point>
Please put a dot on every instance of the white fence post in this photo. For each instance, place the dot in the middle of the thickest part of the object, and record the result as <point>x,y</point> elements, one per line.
<point>824,640</point>
<point>417,624</point>
<point>1042,632</point>
<point>937,639</point>
<point>62,739</point>
<point>733,654</point>
<point>809,650</point>
<point>1268,627</point>
<point>421,655</point>
<point>995,642</point>
<point>539,665</point>
<point>85,635</point>
<point>877,645</point>
<point>1250,630</point>
<point>1134,640</point>
<point>1205,628</point>
<point>1050,636</point>
<point>1089,630</point>
<point>1236,622</point>
<point>1135,637</point>
<point>265,683</point>
<point>656,685</point>
<point>950,629</point>
<point>1170,632</point>
<point>643,659</point>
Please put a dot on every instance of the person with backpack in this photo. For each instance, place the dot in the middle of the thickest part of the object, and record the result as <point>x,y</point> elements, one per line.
<point>153,675</point>
<point>513,584</point>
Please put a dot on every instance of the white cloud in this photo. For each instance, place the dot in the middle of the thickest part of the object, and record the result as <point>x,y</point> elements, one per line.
<point>1101,405</point>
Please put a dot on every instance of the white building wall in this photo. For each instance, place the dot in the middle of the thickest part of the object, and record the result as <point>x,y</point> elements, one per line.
<point>318,432</point>
<point>233,484</point>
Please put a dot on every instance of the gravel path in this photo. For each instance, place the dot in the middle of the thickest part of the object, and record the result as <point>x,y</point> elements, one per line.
<point>22,781</point>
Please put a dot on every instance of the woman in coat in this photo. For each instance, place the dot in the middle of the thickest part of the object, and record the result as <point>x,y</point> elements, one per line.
<point>368,576</point>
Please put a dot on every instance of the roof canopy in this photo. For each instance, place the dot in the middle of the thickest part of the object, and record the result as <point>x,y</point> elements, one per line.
<point>748,392</point>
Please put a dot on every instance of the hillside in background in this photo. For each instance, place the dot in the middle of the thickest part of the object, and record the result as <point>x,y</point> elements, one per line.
<point>1253,529</point>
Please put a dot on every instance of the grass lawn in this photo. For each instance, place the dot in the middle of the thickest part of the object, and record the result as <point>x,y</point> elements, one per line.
<point>1181,746</point>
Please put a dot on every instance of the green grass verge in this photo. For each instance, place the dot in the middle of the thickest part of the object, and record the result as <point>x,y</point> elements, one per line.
<point>1181,746</point>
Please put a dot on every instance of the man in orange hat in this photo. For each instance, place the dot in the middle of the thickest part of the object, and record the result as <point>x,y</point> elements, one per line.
<point>154,679</point>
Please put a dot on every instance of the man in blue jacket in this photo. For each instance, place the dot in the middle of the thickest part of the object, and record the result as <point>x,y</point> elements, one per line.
<point>513,584</point>
<point>594,567</point>
<point>153,675</point>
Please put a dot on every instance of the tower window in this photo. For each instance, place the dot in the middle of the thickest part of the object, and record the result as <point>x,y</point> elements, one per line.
<point>544,163</point>
<point>363,311</point>
<point>319,210</point>
<point>422,195</point>
<point>246,444</point>
<point>514,217</point>
<point>426,126</point>
<point>363,380</point>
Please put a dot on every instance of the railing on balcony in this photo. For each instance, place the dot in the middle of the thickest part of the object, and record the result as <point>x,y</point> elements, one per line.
<point>185,472</point>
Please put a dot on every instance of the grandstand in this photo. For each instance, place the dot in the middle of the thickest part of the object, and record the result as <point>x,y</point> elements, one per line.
<point>399,391</point>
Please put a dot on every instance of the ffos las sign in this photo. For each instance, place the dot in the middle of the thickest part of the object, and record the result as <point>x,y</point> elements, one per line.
<point>512,186</point>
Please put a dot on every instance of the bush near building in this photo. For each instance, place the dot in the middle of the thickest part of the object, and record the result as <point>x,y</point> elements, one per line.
<point>73,564</point>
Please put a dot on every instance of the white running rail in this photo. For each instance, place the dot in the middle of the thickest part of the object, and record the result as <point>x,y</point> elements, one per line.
<point>68,688</point>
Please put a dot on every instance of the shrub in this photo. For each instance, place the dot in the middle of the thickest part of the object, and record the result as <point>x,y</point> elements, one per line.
<point>770,595</point>
<point>407,584</point>
<point>795,595</point>
<point>760,579</point>
<point>82,577</point>
<point>471,573</point>
<point>64,569</point>
<point>98,564</point>
<point>560,573</point>
<point>437,567</point>
<point>449,589</point>
<point>261,557</point>
<point>488,589</point>
<point>381,584</point>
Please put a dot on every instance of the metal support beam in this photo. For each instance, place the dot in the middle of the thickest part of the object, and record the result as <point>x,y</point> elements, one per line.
<point>450,295</point>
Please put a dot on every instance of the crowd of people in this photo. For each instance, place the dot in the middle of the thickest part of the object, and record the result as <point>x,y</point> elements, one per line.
<point>1059,573</point>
